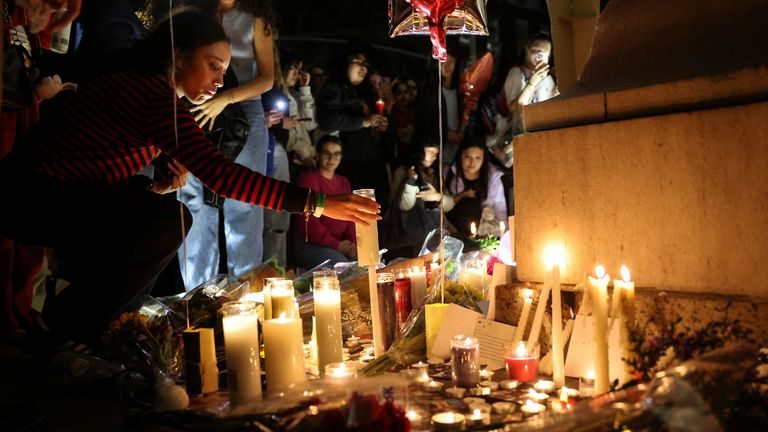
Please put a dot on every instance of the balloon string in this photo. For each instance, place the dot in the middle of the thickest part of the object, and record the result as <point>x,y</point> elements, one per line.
<point>176,138</point>
<point>440,174</point>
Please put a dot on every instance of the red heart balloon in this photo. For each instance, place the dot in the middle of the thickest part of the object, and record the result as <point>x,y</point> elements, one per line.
<point>436,11</point>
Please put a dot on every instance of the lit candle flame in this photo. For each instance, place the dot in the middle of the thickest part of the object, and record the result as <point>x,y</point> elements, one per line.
<point>600,271</point>
<point>554,254</point>
<point>625,273</point>
<point>590,374</point>
<point>468,341</point>
<point>564,395</point>
<point>521,351</point>
<point>473,229</point>
<point>528,294</point>
<point>477,414</point>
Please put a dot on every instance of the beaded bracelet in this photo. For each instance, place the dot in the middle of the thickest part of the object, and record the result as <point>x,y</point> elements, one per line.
<point>309,209</point>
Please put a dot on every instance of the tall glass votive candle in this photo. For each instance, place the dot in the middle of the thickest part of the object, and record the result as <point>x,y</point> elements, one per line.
<point>418,275</point>
<point>385,288</point>
<point>367,236</point>
<point>281,297</point>
<point>283,353</point>
<point>241,340</point>
<point>403,303</point>
<point>328,322</point>
<point>465,361</point>
<point>267,290</point>
<point>521,363</point>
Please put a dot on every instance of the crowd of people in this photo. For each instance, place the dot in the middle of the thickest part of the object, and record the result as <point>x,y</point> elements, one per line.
<point>243,132</point>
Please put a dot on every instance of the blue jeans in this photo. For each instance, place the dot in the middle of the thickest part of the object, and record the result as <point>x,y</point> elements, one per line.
<point>309,256</point>
<point>243,223</point>
<point>276,222</point>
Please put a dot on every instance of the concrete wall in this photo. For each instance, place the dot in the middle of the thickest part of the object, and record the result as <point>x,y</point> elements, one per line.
<point>681,199</point>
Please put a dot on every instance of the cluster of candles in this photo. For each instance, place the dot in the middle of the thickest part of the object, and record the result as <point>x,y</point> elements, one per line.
<point>397,293</point>
<point>283,338</point>
<point>522,358</point>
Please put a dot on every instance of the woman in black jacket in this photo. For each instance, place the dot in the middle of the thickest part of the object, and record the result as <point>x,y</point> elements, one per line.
<point>346,104</point>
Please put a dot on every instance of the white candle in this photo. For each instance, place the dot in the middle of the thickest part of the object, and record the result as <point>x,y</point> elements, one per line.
<point>554,258</point>
<point>328,320</point>
<point>266,290</point>
<point>538,317</point>
<point>241,340</point>
<point>472,229</point>
<point>418,277</point>
<point>599,295</point>
<point>281,296</point>
<point>627,308</point>
<point>283,353</point>
<point>367,236</point>
<point>522,323</point>
<point>474,275</point>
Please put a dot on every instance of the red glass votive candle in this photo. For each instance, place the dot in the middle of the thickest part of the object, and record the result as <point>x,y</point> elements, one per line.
<point>522,364</point>
<point>403,303</point>
<point>380,106</point>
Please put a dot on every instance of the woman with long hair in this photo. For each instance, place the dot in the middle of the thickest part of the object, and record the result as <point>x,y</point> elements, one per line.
<point>475,184</point>
<point>67,179</point>
<point>249,26</point>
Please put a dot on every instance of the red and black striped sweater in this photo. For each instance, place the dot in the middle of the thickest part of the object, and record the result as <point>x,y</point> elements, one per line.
<point>116,124</point>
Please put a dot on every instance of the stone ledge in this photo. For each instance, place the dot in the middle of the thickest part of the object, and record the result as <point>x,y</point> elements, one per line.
<point>742,86</point>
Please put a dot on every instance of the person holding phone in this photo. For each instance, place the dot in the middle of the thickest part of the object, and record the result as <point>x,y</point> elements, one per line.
<point>531,82</point>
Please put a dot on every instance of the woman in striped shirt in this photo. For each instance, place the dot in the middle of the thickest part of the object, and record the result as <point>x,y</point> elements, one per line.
<point>64,187</point>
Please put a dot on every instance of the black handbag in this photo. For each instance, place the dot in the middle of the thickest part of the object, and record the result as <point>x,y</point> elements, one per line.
<point>17,86</point>
<point>229,134</point>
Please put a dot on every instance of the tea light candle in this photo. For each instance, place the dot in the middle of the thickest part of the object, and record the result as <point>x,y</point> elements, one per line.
<point>531,407</point>
<point>465,361</point>
<point>353,341</point>
<point>521,364</point>
<point>283,353</point>
<point>503,408</point>
<point>477,418</point>
<point>432,386</point>
<point>479,391</point>
<point>509,384</point>
<point>418,275</point>
<point>421,371</point>
<point>282,296</point>
<point>587,384</point>
<point>328,321</point>
<point>448,421</point>
<point>456,392</point>
<point>544,386</point>
<point>340,372</point>
<point>533,394</point>
<point>473,401</point>
<point>493,385</point>
<point>241,341</point>
<point>413,416</point>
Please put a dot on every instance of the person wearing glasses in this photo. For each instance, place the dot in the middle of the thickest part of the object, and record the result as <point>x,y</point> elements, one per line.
<point>321,239</point>
<point>347,105</point>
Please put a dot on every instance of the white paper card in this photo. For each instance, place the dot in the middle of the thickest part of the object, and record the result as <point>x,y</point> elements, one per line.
<point>458,320</point>
<point>493,336</point>
<point>581,352</point>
